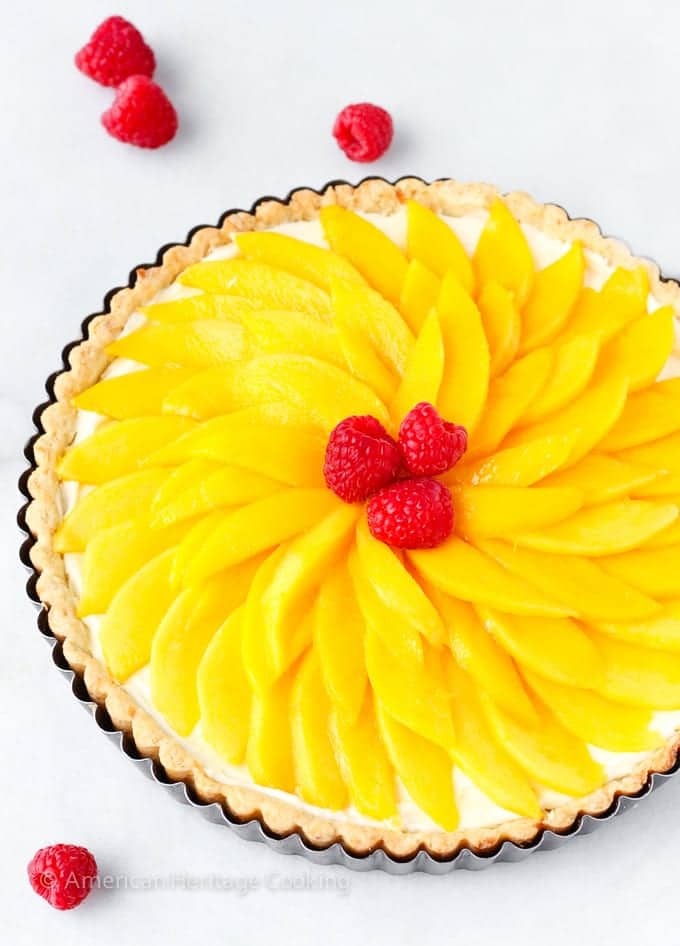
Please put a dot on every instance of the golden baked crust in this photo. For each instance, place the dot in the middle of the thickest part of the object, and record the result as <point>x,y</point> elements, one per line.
<point>87,361</point>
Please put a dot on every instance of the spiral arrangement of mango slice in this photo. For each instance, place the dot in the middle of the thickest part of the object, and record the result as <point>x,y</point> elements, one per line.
<point>330,665</point>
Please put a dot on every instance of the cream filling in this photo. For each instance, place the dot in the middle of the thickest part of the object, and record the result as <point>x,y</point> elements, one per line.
<point>476,809</point>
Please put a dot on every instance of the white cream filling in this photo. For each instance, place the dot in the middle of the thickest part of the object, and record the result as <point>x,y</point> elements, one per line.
<point>475,807</point>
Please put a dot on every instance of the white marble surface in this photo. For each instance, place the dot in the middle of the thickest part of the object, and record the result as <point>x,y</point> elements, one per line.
<point>573,101</point>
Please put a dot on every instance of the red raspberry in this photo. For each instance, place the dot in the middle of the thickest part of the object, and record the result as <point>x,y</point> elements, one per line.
<point>115,51</point>
<point>141,114</point>
<point>360,458</point>
<point>429,444</point>
<point>363,131</point>
<point>63,874</point>
<point>411,514</point>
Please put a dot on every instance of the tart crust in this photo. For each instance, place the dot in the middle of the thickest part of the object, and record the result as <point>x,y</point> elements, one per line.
<point>87,361</point>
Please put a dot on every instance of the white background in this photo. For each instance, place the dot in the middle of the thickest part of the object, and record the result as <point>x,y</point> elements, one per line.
<point>576,102</point>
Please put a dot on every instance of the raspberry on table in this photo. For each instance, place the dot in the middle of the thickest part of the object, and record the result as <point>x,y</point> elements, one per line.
<point>63,874</point>
<point>360,458</point>
<point>429,444</point>
<point>141,114</point>
<point>411,514</point>
<point>363,131</point>
<point>115,51</point>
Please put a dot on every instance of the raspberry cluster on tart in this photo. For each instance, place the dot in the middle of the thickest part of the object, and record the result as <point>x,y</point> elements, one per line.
<point>520,672</point>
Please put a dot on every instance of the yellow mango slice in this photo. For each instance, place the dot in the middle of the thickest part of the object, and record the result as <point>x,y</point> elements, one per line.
<point>476,651</point>
<point>255,656</point>
<point>376,257</point>
<point>522,465</point>
<point>481,756</point>
<point>180,479</point>
<point>603,530</point>
<point>557,649</point>
<point>206,344</point>
<point>432,241</point>
<point>339,640</point>
<point>509,397</point>
<point>119,447</point>
<point>327,393</point>
<point>107,505</point>
<point>574,364</point>
<point>656,572</point>
<point>129,626</point>
<point>380,322</point>
<point>668,536</point>
<point>503,255</point>
<point>258,526</point>
<point>662,631</point>
<point>312,263</point>
<point>555,290</point>
<point>547,752</point>
<point>465,384</point>
<point>224,487</point>
<point>501,321</point>
<point>201,306</point>
<point>132,395</point>
<point>192,543</point>
<point>399,592</point>
<point>362,359</point>
<point>462,571</point>
<point>602,479</point>
<point>642,349</point>
<point>224,592</point>
<point>224,693</point>
<point>661,455</point>
<point>418,295</point>
<point>273,287</point>
<point>576,582</point>
<point>413,693</point>
<point>207,393</point>
<point>269,754</point>
<point>317,776</point>
<point>506,510</point>
<point>364,764</point>
<point>292,333</point>
<point>595,720</point>
<point>424,370</point>
<point>662,486</point>
<point>424,768</point>
<point>639,676</point>
<point>648,415</point>
<point>622,299</point>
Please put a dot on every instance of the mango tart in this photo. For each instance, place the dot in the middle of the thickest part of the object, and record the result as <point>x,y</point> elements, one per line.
<point>241,621</point>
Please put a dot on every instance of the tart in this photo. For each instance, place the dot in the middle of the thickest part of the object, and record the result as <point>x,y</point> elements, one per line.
<point>243,624</point>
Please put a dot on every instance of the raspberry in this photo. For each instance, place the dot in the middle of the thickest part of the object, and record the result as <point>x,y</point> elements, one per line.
<point>363,131</point>
<point>360,458</point>
<point>411,514</point>
<point>141,114</point>
<point>63,874</point>
<point>428,443</point>
<point>116,50</point>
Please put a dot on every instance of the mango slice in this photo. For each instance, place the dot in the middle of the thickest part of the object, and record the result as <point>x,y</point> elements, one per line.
<point>180,479</point>
<point>432,241</point>
<point>622,299</point>
<point>339,639</point>
<point>662,631</point>
<point>662,486</point>
<point>317,776</point>
<point>104,506</point>
<point>596,720</point>
<point>425,770</point>
<point>364,763</point>
<point>206,344</point>
<point>424,370</point>
<point>555,290</point>
<point>274,288</point>
<point>506,510</point>
<point>522,465</point>
<point>648,415</point>
<point>223,593</point>
<point>292,333</point>
<point>576,582</point>
<point>418,295</point>
<point>481,756</point>
<point>137,394</point>
<point>207,394</point>
<point>639,676</point>
<point>557,649</point>
<point>224,694</point>
<point>224,487</point>
<point>668,536</point>
<point>503,255</point>
<point>462,571</point>
<point>663,454</point>
<point>642,349</point>
<point>465,384</point>
<point>202,305</point>
<point>413,693</point>
<point>192,543</point>
<point>656,572</point>
<point>602,479</point>
<point>269,754</point>
<point>312,263</point>
<point>501,321</point>
<point>603,530</point>
<point>256,661</point>
<point>574,364</point>
<point>376,257</point>
<point>258,526</point>
<point>119,447</point>
<point>128,627</point>
<point>362,359</point>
